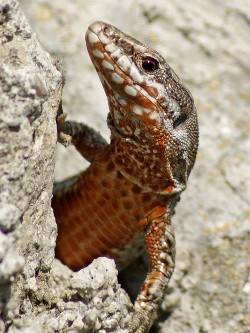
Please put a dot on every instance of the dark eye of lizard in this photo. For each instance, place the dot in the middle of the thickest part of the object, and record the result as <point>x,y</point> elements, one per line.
<point>178,121</point>
<point>150,64</point>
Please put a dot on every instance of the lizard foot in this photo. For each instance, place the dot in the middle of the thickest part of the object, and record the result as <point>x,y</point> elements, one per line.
<point>63,137</point>
<point>141,321</point>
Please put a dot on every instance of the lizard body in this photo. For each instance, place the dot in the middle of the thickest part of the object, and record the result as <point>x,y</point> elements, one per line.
<point>127,195</point>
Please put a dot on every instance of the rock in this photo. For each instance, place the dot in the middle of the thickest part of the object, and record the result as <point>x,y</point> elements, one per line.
<point>38,293</point>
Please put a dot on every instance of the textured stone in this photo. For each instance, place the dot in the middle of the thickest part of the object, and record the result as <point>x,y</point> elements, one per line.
<point>37,293</point>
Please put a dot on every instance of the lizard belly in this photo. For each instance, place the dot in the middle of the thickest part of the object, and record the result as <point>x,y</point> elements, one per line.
<point>101,214</point>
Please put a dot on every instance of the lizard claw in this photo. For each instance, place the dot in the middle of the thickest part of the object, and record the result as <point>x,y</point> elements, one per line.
<point>64,138</point>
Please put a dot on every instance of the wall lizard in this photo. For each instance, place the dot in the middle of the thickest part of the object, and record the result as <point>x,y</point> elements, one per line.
<point>123,202</point>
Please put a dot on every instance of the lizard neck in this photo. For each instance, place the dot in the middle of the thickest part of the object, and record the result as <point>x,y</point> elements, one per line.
<point>145,153</point>
<point>146,164</point>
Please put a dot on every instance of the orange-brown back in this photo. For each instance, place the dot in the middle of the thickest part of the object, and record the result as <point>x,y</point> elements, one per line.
<point>101,214</point>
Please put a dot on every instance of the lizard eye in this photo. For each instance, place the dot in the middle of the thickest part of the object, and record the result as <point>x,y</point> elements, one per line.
<point>150,64</point>
<point>178,121</point>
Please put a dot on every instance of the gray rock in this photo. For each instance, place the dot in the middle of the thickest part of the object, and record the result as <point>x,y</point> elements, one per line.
<point>38,293</point>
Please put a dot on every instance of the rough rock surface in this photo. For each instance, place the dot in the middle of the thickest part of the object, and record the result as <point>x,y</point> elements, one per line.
<point>37,293</point>
<point>207,42</point>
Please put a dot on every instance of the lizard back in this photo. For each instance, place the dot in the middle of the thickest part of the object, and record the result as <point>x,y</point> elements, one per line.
<point>102,215</point>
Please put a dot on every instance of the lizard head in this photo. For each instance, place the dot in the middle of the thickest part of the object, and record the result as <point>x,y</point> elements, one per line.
<point>152,117</point>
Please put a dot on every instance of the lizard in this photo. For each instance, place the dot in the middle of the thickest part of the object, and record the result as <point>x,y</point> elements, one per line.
<point>123,202</point>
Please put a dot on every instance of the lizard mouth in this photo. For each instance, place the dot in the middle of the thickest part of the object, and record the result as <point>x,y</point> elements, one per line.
<point>111,55</point>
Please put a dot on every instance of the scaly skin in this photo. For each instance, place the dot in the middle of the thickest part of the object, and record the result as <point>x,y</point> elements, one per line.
<point>129,191</point>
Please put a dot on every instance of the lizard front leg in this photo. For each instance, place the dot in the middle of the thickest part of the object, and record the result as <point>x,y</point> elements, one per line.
<point>160,246</point>
<point>86,140</point>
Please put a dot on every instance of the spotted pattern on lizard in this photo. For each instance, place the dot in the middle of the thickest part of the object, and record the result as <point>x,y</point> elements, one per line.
<point>125,199</point>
